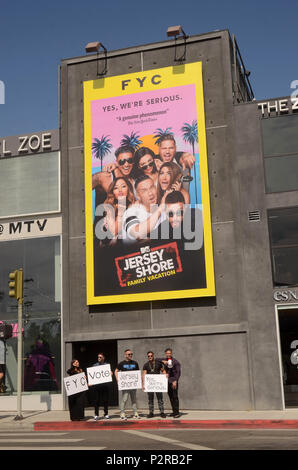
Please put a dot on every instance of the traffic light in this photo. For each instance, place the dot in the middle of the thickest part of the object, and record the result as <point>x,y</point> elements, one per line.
<point>16,284</point>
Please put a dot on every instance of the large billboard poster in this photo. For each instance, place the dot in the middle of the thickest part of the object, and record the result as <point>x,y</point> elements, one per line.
<point>148,226</point>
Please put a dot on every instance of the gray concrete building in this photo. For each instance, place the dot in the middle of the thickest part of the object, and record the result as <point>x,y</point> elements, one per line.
<point>237,348</point>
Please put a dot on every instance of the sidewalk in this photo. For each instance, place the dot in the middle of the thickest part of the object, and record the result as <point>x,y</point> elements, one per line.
<point>192,419</point>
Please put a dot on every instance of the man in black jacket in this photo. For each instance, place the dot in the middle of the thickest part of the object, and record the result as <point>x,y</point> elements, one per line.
<point>173,369</point>
<point>100,392</point>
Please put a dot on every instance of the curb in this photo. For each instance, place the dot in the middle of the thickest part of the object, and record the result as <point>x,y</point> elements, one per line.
<point>165,424</point>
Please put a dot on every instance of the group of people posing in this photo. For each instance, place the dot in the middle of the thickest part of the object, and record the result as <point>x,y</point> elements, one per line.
<point>137,188</point>
<point>100,393</point>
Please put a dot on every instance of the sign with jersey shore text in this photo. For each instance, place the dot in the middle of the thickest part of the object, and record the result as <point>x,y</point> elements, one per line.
<point>147,204</point>
<point>129,380</point>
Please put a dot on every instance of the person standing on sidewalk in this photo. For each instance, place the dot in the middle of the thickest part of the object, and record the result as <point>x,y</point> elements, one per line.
<point>153,366</point>
<point>128,365</point>
<point>2,366</point>
<point>76,402</point>
<point>173,370</point>
<point>100,392</point>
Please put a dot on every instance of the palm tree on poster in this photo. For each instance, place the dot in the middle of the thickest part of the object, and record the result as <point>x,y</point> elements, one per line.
<point>159,133</point>
<point>133,140</point>
<point>190,135</point>
<point>101,147</point>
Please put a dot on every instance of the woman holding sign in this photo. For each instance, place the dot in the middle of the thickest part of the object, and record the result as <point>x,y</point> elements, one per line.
<point>76,402</point>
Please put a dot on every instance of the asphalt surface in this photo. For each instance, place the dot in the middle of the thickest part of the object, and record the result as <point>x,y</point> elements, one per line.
<point>180,441</point>
<point>193,432</point>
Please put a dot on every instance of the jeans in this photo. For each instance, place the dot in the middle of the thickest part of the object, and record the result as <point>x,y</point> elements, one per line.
<point>133,398</point>
<point>159,400</point>
<point>101,398</point>
<point>173,395</point>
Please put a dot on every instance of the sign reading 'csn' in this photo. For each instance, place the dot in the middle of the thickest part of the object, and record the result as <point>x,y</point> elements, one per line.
<point>286,295</point>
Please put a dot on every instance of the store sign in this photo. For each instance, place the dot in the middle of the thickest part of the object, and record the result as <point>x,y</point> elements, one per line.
<point>15,230</point>
<point>39,142</point>
<point>285,295</point>
<point>150,244</point>
<point>279,107</point>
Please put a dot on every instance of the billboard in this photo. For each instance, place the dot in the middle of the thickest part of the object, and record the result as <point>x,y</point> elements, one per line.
<point>148,226</point>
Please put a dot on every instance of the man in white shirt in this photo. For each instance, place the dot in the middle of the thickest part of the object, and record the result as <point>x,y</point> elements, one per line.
<point>143,216</point>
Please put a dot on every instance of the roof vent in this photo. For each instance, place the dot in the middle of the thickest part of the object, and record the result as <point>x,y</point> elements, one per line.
<point>254,216</point>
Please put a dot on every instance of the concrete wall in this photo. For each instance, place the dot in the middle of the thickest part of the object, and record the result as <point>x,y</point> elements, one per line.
<point>207,381</point>
<point>227,344</point>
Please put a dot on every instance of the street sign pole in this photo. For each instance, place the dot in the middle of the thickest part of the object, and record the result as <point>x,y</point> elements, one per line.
<point>19,415</point>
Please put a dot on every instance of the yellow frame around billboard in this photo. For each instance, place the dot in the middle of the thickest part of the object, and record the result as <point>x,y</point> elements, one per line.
<point>109,87</point>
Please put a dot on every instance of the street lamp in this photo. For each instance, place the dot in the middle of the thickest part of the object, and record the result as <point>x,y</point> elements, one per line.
<point>175,31</point>
<point>94,47</point>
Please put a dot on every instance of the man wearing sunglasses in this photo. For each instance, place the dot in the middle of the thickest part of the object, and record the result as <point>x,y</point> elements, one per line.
<point>122,167</point>
<point>153,366</point>
<point>100,392</point>
<point>126,366</point>
<point>184,226</point>
<point>173,370</point>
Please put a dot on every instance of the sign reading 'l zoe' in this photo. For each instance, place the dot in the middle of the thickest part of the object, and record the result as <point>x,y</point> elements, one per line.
<point>75,384</point>
<point>156,383</point>
<point>99,374</point>
<point>129,380</point>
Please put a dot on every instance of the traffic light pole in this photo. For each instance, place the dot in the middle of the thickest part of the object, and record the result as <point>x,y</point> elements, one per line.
<point>19,415</point>
<point>16,290</point>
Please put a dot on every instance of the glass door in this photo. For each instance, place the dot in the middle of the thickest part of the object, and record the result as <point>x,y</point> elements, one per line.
<point>288,328</point>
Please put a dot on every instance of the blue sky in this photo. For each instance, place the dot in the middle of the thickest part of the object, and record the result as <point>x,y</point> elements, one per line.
<point>36,35</point>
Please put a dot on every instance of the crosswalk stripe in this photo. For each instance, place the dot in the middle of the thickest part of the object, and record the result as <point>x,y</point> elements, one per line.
<point>169,441</point>
<point>39,440</point>
<point>31,434</point>
<point>51,448</point>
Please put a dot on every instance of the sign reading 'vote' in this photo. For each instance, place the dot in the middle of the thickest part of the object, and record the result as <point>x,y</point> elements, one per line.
<point>99,374</point>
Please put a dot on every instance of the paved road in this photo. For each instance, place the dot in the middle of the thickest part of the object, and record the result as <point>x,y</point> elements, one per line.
<point>153,440</point>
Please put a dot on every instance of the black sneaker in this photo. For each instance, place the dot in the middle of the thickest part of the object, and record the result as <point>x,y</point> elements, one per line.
<point>177,415</point>
<point>150,415</point>
<point>163,415</point>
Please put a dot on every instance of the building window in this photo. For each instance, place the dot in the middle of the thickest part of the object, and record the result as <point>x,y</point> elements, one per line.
<point>283,234</point>
<point>280,147</point>
<point>29,184</point>
<point>40,260</point>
